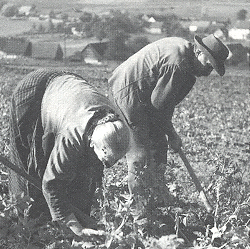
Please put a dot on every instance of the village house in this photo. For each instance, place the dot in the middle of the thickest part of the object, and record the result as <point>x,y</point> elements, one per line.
<point>94,53</point>
<point>240,30</point>
<point>199,26</point>
<point>15,46</point>
<point>154,28</point>
<point>25,10</point>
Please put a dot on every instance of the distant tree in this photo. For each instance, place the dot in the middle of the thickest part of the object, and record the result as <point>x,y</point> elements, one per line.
<point>120,21</point>
<point>34,27</point>
<point>242,15</point>
<point>10,11</point>
<point>52,14</point>
<point>67,30</point>
<point>33,6</point>
<point>2,3</point>
<point>40,28</point>
<point>116,27</point>
<point>98,30</point>
<point>65,17</point>
<point>115,22</point>
<point>87,28</point>
<point>79,26</point>
<point>59,28</point>
<point>33,11</point>
<point>172,27</point>
<point>86,17</point>
<point>138,24</point>
<point>137,43</point>
<point>51,26</point>
<point>169,23</point>
<point>117,49</point>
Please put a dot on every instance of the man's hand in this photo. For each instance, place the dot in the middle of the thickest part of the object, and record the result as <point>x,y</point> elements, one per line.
<point>72,223</point>
<point>174,141</point>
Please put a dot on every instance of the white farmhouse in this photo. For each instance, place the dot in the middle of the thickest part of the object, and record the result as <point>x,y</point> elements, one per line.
<point>240,30</point>
<point>25,10</point>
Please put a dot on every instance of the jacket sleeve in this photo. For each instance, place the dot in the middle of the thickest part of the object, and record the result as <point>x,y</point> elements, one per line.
<point>172,86</point>
<point>59,173</point>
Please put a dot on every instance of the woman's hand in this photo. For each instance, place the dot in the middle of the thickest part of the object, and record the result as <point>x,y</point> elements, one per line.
<point>91,232</point>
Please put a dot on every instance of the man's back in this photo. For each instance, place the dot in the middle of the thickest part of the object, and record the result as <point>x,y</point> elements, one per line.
<point>149,60</point>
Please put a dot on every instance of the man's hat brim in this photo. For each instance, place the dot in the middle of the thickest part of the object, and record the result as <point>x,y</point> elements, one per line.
<point>216,64</point>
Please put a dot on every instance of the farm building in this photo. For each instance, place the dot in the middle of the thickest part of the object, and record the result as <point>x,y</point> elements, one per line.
<point>154,28</point>
<point>240,30</point>
<point>94,53</point>
<point>25,10</point>
<point>47,50</point>
<point>15,46</point>
<point>73,48</point>
<point>199,26</point>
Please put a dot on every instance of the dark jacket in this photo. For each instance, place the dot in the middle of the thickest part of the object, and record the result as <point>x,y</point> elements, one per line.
<point>56,138</point>
<point>153,81</point>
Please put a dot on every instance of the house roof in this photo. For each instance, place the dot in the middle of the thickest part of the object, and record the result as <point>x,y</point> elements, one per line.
<point>99,47</point>
<point>6,6</point>
<point>14,45</point>
<point>47,50</point>
<point>73,46</point>
<point>151,19</point>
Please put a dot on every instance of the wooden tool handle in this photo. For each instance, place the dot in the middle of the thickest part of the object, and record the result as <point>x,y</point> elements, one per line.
<point>21,172</point>
<point>196,181</point>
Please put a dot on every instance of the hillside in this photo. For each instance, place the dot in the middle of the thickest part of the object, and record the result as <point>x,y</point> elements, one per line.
<point>185,8</point>
<point>213,122</point>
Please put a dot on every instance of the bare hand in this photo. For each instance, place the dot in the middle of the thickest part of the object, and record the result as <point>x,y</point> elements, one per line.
<point>92,232</point>
<point>89,238</point>
<point>91,235</point>
<point>72,222</point>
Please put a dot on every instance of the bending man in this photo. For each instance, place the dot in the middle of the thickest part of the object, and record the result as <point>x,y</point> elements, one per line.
<point>147,87</point>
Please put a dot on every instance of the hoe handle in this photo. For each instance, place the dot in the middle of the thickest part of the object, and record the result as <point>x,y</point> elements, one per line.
<point>21,172</point>
<point>196,181</point>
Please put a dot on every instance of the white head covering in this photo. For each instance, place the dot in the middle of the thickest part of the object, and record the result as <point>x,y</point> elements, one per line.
<point>110,141</point>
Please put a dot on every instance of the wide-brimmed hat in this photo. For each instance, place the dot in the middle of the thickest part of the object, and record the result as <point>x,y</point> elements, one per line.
<point>216,51</point>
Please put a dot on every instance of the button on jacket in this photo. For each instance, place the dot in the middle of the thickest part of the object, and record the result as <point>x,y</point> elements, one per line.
<point>154,80</point>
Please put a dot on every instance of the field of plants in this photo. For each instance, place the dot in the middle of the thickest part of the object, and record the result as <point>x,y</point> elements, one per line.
<point>214,124</point>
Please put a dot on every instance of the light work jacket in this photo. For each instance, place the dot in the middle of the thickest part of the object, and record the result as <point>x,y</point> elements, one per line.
<point>153,81</point>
